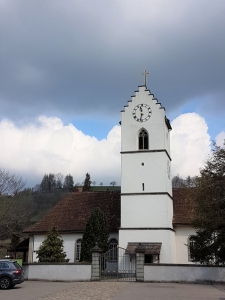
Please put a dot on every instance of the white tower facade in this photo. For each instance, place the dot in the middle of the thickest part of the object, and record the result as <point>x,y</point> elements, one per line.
<point>146,186</point>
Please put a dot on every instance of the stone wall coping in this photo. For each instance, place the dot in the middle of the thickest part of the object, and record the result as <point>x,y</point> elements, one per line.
<point>56,263</point>
<point>185,265</point>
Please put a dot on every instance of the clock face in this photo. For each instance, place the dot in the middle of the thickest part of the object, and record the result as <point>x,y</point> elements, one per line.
<point>142,113</point>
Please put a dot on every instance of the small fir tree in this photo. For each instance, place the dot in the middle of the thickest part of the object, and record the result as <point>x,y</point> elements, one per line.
<point>87,183</point>
<point>96,231</point>
<point>51,250</point>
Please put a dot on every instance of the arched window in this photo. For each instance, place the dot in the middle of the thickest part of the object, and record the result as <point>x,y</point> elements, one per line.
<point>113,250</point>
<point>78,250</point>
<point>191,243</point>
<point>143,140</point>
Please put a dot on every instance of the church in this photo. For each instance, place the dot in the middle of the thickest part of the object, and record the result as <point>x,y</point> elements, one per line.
<point>146,211</point>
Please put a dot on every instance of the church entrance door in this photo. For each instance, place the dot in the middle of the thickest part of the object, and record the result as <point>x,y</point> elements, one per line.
<point>117,265</point>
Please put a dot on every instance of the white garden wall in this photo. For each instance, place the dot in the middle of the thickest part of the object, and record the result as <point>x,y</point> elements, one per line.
<point>183,273</point>
<point>58,272</point>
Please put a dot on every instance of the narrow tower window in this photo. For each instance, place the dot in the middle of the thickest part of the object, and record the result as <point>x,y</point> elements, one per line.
<point>143,186</point>
<point>143,140</point>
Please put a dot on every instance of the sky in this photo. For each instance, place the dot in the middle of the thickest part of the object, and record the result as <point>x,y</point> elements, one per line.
<point>68,67</point>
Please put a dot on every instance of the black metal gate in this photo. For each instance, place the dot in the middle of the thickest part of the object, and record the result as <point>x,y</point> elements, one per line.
<point>116,265</point>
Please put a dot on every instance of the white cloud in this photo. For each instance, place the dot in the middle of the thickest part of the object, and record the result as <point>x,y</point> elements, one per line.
<point>220,138</point>
<point>51,147</point>
<point>190,144</point>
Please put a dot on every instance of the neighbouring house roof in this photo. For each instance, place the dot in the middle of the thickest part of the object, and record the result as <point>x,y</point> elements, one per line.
<point>22,246</point>
<point>150,248</point>
<point>72,212</point>
<point>99,188</point>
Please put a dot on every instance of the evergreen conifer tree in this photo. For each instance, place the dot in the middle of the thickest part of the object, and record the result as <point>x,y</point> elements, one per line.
<point>96,231</point>
<point>207,202</point>
<point>45,184</point>
<point>87,183</point>
<point>51,250</point>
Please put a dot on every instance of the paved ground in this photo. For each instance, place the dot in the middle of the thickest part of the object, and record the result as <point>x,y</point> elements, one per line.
<point>42,290</point>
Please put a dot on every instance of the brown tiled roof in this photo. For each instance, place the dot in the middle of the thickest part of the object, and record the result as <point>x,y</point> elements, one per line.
<point>181,212</point>
<point>72,212</point>
<point>150,248</point>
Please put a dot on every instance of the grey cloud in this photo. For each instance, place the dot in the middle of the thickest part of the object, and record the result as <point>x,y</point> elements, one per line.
<point>73,57</point>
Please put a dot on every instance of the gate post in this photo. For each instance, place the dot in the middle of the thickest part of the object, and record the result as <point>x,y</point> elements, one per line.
<point>95,265</point>
<point>140,258</point>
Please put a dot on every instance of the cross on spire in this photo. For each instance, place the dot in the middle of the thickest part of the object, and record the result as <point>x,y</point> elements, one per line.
<point>145,76</point>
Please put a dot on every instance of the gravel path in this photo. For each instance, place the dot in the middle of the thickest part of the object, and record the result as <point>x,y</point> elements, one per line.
<point>89,290</point>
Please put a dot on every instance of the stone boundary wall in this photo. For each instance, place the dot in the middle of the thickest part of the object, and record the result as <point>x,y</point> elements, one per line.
<point>58,271</point>
<point>183,273</point>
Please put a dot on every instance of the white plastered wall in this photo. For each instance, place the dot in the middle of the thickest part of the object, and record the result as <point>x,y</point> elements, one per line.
<point>146,205</point>
<point>147,168</point>
<point>166,237</point>
<point>182,233</point>
<point>69,244</point>
<point>156,127</point>
<point>146,211</point>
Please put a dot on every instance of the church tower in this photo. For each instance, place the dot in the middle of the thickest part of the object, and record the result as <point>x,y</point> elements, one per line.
<point>146,186</point>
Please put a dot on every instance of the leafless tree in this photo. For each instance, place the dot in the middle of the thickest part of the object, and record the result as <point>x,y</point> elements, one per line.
<point>10,184</point>
<point>12,211</point>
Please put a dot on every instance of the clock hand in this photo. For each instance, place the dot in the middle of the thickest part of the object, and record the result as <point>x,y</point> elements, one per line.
<point>141,113</point>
